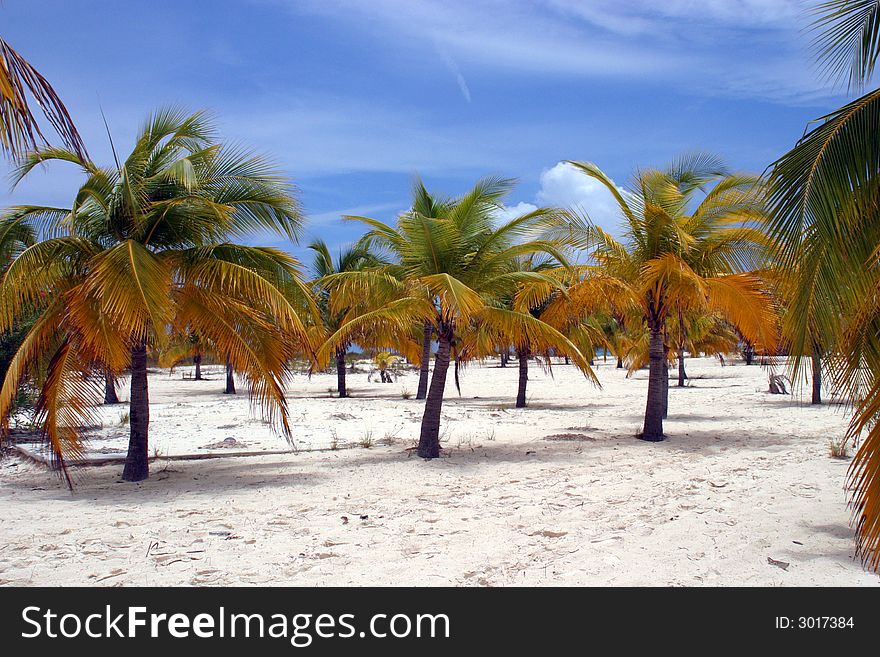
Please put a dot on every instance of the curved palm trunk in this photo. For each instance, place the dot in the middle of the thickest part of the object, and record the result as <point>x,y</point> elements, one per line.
<point>429,439</point>
<point>654,409</point>
<point>817,376</point>
<point>523,355</point>
<point>136,463</point>
<point>340,373</point>
<point>682,375</point>
<point>422,392</point>
<point>110,396</point>
<point>230,378</point>
<point>197,361</point>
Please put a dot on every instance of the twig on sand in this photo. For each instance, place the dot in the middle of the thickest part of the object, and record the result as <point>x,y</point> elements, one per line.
<point>779,564</point>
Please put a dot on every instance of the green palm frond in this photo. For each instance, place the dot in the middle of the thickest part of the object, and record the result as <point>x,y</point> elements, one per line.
<point>19,130</point>
<point>848,39</point>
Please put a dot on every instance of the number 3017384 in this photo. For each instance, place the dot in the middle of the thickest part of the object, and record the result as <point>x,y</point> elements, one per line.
<point>815,622</point>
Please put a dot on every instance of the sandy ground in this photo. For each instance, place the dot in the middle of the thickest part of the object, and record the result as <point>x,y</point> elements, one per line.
<point>560,493</point>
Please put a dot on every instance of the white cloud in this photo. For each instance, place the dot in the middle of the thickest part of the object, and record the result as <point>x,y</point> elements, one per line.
<point>507,213</point>
<point>565,186</point>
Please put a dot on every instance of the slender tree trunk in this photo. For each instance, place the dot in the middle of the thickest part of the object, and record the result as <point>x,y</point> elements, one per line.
<point>817,375</point>
<point>523,355</point>
<point>665,385</point>
<point>230,378</point>
<point>619,363</point>
<point>504,357</point>
<point>110,396</point>
<point>566,359</point>
<point>426,361</point>
<point>197,361</point>
<point>653,428</point>
<point>340,373</point>
<point>749,353</point>
<point>137,466</point>
<point>429,440</point>
<point>683,339</point>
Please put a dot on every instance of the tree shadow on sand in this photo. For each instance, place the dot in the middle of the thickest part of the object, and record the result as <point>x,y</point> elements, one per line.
<point>219,478</point>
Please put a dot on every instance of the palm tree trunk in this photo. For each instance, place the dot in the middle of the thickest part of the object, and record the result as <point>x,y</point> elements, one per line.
<point>230,378</point>
<point>429,440</point>
<point>504,356</point>
<point>110,396</point>
<point>136,463</point>
<point>523,355</point>
<point>426,361</point>
<point>683,338</point>
<point>340,373</point>
<point>619,363</point>
<point>566,359</point>
<point>665,385</point>
<point>817,375</point>
<point>654,411</point>
<point>748,352</point>
<point>197,361</point>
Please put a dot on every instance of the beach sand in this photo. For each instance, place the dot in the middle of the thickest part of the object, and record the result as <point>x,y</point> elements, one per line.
<point>559,493</point>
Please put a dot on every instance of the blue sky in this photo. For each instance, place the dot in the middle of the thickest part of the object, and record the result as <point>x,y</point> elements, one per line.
<point>354,98</point>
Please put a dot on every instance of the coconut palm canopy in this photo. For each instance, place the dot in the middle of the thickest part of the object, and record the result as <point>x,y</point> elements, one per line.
<point>354,258</point>
<point>142,253</point>
<point>453,270</point>
<point>824,198</point>
<point>689,244</point>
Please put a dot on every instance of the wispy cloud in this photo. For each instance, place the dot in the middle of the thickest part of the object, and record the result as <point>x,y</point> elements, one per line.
<point>317,221</point>
<point>316,134</point>
<point>459,78</point>
<point>737,48</point>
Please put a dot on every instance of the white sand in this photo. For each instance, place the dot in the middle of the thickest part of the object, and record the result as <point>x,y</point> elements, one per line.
<point>744,476</point>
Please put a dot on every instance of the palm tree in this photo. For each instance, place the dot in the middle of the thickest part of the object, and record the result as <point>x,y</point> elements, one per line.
<point>385,361</point>
<point>427,205</point>
<point>19,130</point>
<point>451,270</point>
<point>696,333</point>
<point>183,347</point>
<point>686,246</point>
<point>824,196</point>
<point>144,251</point>
<point>354,258</point>
<point>702,333</point>
<point>536,298</point>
